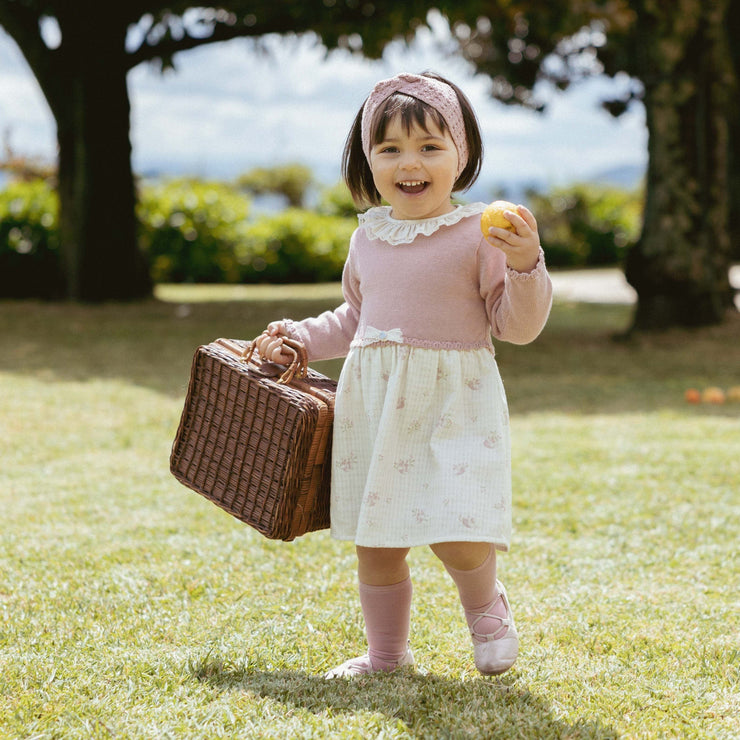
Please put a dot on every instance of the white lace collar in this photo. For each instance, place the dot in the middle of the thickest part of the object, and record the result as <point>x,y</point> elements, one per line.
<point>379,224</point>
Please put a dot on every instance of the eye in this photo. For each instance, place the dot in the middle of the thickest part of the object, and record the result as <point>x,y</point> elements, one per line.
<point>430,148</point>
<point>388,149</point>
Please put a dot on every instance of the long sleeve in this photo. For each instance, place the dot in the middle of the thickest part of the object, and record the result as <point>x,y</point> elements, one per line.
<point>329,334</point>
<point>519,306</point>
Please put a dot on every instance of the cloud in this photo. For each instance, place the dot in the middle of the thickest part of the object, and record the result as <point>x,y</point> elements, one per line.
<point>573,139</point>
<point>229,107</point>
<point>25,118</point>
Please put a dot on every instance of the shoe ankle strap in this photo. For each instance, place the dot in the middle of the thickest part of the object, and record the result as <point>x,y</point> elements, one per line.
<point>505,622</point>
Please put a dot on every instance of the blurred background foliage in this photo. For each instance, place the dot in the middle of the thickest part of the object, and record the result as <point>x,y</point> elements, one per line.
<point>196,231</point>
<point>190,230</point>
<point>293,181</point>
<point>29,239</point>
<point>587,225</point>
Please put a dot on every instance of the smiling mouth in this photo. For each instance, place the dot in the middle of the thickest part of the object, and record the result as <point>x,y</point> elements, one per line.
<point>412,186</point>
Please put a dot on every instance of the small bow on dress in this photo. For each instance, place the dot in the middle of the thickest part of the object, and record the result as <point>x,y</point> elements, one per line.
<point>373,335</point>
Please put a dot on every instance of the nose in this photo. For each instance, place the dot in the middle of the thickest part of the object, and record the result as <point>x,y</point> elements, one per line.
<point>409,160</point>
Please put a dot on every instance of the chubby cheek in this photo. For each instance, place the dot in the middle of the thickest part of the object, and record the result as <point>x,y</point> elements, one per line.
<point>384,185</point>
<point>455,168</point>
<point>452,173</point>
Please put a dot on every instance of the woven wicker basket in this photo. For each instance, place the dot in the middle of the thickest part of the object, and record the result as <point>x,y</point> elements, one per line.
<point>255,438</point>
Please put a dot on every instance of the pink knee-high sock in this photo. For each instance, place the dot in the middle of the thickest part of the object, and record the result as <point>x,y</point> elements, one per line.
<point>478,593</point>
<point>387,612</point>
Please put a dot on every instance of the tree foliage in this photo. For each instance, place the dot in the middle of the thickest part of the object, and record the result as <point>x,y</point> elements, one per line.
<point>682,63</point>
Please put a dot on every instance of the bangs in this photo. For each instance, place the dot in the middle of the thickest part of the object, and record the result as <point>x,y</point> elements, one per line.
<point>412,112</point>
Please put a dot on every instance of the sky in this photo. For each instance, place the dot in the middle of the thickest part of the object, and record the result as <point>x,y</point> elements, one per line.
<point>228,107</point>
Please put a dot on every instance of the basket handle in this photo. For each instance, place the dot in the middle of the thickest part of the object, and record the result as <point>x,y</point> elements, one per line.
<point>298,367</point>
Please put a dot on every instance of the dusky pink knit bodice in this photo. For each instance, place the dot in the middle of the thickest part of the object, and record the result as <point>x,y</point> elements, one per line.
<point>448,289</point>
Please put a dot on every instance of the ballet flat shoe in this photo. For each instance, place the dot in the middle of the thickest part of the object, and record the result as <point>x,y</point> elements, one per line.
<point>362,666</point>
<point>498,651</point>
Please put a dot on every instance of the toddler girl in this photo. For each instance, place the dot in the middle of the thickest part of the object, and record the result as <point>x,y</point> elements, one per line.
<point>421,451</point>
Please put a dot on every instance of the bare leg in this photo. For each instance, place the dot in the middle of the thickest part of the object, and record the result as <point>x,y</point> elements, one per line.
<point>382,566</point>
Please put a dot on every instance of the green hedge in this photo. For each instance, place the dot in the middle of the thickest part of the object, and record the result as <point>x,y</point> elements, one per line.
<point>194,231</point>
<point>190,230</point>
<point>295,246</point>
<point>29,241</point>
<point>587,225</point>
<point>200,232</point>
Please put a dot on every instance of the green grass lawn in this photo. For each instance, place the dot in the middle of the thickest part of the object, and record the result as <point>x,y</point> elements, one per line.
<point>132,608</point>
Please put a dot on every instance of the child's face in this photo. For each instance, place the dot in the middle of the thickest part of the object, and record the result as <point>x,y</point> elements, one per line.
<point>416,171</point>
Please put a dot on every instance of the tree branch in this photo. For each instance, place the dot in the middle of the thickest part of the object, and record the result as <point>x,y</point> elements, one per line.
<point>22,23</point>
<point>221,32</point>
<point>23,26</point>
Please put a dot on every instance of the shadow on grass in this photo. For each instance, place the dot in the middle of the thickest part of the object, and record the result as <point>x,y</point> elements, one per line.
<point>575,366</point>
<point>429,706</point>
<point>150,344</point>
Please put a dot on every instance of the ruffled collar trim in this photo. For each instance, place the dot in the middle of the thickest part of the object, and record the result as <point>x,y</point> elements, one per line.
<point>379,224</point>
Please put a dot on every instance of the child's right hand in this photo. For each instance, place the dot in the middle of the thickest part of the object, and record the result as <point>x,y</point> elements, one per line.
<point>270,344</point>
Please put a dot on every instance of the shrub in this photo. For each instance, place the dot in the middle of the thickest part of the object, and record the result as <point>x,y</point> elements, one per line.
<point>29,241</point>
<point>190,229</point>
<point>199,232</point>
<point>193,231</point>
<point>295,246</point>
<point>292,181</point>
<point>337,201</point>
<point>587,224</point>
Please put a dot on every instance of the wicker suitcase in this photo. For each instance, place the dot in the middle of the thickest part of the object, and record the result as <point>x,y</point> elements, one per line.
<point>255,438</point>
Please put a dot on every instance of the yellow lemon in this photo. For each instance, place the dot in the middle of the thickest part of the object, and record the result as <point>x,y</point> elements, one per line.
<point>493,215</point>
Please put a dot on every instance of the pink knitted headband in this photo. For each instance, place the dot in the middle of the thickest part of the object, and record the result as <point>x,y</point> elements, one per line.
<point>430,91</point>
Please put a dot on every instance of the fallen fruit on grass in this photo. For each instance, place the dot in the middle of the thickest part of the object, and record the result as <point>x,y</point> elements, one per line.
<point>733,394</point>
<point>713,395</point>
<point>493,215</point>
<point>692,395</point>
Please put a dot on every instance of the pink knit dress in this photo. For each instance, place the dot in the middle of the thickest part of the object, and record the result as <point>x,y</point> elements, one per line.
<point>421,450</point>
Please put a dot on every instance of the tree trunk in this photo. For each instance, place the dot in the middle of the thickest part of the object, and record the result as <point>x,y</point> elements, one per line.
<point>733,22</point>
<point>84,82</point>
<point>680,265</point>
<point>100,255</point>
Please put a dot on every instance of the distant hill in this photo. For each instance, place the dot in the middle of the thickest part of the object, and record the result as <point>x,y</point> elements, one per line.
<point>628,176</point>
<point>625,176</point>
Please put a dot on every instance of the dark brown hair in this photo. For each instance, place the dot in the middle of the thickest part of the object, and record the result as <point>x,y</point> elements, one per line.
<point>355,167</point>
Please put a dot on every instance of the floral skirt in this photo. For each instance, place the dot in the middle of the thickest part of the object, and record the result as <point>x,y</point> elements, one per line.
<point>421,450</point>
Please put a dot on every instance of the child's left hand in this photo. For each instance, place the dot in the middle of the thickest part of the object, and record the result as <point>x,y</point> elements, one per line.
<point>522,248</point>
